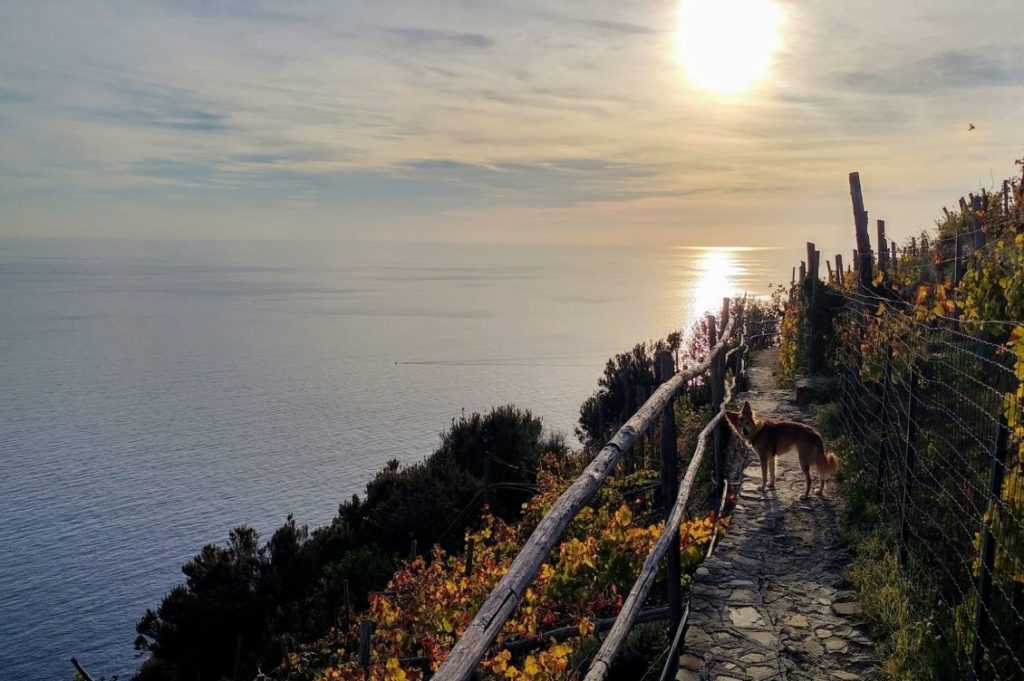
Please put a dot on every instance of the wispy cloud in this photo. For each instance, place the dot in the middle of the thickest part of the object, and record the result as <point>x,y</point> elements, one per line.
<point>446,117</point>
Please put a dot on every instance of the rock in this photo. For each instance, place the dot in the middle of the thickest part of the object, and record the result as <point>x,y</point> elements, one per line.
<point>836,645</point>
<point>798,621</point>
<point>758,673</point>
<point>846,609</point>
<point>691,662</point>
<point>763,638</point>
<point>822,633</point>
<point>742,596</point>
<point>752,657</point>
<point>845,676</point>
<point>812,647</point>
<point>695,636</point>
<point>745,617</point>
<point>683,675</point>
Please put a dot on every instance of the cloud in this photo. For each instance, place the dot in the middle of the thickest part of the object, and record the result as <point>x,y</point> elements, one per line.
<point>937,74</point>
<point>408,114</point>
<point>421,37</point>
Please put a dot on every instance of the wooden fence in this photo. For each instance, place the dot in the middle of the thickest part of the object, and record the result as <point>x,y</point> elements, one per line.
<point>482,631</point>
<point>925,404</point>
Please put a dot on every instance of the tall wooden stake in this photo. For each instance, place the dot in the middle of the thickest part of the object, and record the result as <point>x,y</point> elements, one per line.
<point>670,489</point>
<point>860,222</point>
<point>988,549</point>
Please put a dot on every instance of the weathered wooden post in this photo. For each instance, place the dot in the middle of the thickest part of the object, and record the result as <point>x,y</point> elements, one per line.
<point>958,255</point>
<point>892,255</point>
<point>840,272</point>
<point>470,545</point>
<point>1006,198</point>
<point>812,270</point>
<point>908,465</point>
<point>365,632</point>
<point>883,247</point>
<point>988,548</point>
<point>860,221</point>
<point>803,270</point>
<point>913,245</point>
<point>347,597</point>
<point>670,489</point>
<point>831,272</point>
<point>717,397</point>
<point>979,235</point>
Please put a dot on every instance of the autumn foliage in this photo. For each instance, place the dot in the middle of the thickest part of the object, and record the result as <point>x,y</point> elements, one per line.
<point>430,601</point>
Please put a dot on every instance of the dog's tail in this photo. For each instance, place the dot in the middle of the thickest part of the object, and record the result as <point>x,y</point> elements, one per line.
<point>831,464</point>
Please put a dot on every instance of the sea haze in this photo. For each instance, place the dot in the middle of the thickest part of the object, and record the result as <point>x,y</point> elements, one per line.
<point>153,395</point>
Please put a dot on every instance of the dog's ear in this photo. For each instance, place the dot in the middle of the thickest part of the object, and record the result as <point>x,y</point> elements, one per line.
<point>747,411</point>
<point>734,418</point>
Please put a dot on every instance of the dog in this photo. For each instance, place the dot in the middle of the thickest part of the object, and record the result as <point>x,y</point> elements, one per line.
<point>772,438</point>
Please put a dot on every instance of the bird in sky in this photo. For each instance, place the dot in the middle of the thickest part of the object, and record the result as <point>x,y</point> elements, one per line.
<point>970,127</point>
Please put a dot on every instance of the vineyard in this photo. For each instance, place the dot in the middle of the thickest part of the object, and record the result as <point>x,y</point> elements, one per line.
<point>925,343</point>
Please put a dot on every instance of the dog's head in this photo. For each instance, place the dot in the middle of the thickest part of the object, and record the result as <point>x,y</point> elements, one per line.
<point>743,420</point>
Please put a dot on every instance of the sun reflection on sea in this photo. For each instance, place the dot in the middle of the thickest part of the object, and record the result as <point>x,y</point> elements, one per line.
<point>717,274</point>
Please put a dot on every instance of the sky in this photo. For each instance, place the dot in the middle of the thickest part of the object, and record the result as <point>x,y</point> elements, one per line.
<point>523,121</point>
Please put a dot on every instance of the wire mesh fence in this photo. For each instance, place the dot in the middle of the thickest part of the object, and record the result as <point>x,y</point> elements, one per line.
<point>933,420</point>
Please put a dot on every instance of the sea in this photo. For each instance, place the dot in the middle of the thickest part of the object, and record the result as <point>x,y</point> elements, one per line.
<point>155,394</point>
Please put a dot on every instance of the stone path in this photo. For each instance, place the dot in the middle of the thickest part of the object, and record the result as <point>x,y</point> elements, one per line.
<point>772,603</point>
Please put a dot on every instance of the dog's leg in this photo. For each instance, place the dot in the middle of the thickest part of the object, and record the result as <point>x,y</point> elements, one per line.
<point>819,455</point>
<point>764,472</point>
<point>805,466</point>
<point>771,472</point>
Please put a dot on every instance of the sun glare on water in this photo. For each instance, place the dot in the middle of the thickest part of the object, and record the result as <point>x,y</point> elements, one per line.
<point>727,45</point>
<point>716,275</point>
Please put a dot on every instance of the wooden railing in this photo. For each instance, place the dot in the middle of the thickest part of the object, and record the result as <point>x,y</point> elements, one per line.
<point>497,608</point>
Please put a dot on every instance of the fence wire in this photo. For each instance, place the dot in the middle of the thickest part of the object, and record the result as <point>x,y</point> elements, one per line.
<point>933,417</point>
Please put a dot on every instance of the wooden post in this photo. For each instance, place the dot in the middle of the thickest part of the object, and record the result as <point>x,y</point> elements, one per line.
<point>803,270</point>
<point>792,280</point>
<point>979,235</point>
<point>892,255</point>
<point>883,247</point>
<point>717,397</point>
<point>1006,198</point>
<point>365,632</point>
<point>831,274</point>
<point>884,448</point>
<point>908,466</point>
<point>958,256</point>
<point>670,489</point>
<point>817,274</point>
<point>840,272</point>
<point>469,556</point>
<point>860,221</point>
<point>913,245</point>
<point>347,597</point>
<point>988,548</point>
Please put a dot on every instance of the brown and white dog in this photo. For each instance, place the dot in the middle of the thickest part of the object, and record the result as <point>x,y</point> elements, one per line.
<point>772,438</point>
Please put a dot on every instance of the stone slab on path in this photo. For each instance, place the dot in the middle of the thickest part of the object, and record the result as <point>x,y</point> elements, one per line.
<point>772,603</point>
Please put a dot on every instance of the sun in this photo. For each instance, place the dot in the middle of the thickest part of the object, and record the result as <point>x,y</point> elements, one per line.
<point>727,45</point>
